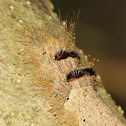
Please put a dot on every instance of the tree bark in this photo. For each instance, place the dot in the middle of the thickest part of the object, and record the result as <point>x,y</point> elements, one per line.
<point>33,86</point>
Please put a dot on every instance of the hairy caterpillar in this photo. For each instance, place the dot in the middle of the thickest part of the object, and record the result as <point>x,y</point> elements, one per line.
<point>80,72</point>
<point>64,54</point>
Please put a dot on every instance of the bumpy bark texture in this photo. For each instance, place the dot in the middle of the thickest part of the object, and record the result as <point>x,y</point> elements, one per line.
<point>33,86</point>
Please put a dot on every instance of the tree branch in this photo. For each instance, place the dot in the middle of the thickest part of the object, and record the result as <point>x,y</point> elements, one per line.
<point>34,90</point>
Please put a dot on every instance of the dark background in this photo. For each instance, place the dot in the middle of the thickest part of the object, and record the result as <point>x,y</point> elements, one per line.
<point>101,32</point>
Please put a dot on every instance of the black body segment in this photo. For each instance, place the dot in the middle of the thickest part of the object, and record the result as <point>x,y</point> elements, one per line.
<point>61,55</point>
<point>73,54</point>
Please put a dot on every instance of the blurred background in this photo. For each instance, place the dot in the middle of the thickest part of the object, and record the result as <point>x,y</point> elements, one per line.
<point>101,33</point>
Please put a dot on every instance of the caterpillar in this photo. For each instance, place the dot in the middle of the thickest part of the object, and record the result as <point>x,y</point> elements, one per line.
<point>80,72</point>
<point>64,54</point>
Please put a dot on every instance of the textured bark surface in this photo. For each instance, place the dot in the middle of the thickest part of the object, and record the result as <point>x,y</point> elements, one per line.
<point>33,86</point>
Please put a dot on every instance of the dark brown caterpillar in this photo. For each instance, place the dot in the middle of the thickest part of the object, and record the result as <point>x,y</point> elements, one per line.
<point>80,72</point>
<point>64,54</point>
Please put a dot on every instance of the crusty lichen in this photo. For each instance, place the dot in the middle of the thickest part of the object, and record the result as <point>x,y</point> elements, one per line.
<point>109,101</point>
<point>24,91</point>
